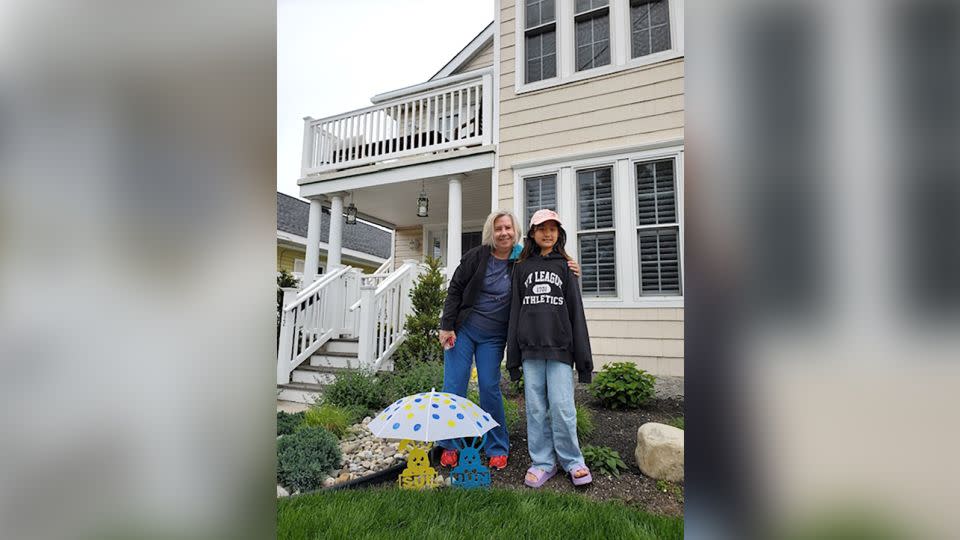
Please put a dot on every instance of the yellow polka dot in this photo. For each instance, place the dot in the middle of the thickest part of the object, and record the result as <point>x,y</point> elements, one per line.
<point>451,423</point>
<point>410,415</point>
<point>408,407</point>
<point>446,402</point>
<point>475,415</point>
<point>422,407</point>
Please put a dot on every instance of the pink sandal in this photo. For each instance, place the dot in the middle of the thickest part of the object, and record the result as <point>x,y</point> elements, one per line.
<point>541,475</point>
<point>585,479</point>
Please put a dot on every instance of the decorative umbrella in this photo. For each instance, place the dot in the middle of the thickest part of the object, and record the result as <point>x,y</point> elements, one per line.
<point>434,416</point>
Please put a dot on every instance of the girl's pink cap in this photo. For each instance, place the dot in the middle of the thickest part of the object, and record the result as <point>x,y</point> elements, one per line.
<point>544,215</point>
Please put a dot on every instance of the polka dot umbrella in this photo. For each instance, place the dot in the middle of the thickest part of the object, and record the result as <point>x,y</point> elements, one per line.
<point>432,416</point>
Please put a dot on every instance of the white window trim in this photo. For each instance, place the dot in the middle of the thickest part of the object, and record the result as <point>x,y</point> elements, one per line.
<point>566,48</point>
<point>625,218</point>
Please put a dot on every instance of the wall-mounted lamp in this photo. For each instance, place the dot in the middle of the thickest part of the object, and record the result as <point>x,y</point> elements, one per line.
<point>414,244</point>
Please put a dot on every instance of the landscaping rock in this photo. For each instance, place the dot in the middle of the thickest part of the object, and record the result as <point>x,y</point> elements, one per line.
<point>343,477</point>
<point>329,481</point>
<point>659,452</point>
<point>282,492</point>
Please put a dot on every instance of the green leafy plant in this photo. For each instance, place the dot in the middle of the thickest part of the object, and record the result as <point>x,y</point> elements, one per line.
<point>288,423</point>
<point>603,459</point>
<point>422,343</point>
<point>622,386</point>
<point>419,378</point>
<point>511,410</point>
<point>665,486</point>
<point>305,457</point>
<point>513,387</point>
<point>585,425</point>
<point>284,279</point>
<point>356,389</point>
<point>676,422</point>
<point>331,417</point>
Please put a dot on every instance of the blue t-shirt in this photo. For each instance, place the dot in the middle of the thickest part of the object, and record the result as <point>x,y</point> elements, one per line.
<point>491,311</point>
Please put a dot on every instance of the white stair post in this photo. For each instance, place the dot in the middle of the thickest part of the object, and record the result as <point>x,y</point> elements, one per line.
<point>285,348</point>
<point>367,326</point>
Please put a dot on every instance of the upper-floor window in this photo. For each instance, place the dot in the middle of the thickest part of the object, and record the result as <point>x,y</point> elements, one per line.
<point>649,27</point>
<point>540,40</point>
<point>592,29</point>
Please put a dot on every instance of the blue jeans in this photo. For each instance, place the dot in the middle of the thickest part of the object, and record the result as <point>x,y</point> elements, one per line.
<point>457,361</point>
<point>551,415</point>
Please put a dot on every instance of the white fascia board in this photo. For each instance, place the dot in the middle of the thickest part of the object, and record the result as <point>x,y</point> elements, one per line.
<point>467,53</point>
<point>429,85</point>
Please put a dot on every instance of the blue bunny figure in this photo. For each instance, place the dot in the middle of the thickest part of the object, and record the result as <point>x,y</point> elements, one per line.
<point>470,472</point>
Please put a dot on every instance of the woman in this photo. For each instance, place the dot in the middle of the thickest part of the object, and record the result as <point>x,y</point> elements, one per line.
<point>474,324</point>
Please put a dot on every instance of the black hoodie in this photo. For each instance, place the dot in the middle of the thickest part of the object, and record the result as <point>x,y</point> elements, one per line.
<point>546,316</point>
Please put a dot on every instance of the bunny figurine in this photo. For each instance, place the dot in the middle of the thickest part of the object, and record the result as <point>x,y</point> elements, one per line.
<point>418,474</point>
<point>470,472</point>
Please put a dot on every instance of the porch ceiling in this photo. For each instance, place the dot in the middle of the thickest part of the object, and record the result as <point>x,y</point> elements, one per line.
<point>397,203</point>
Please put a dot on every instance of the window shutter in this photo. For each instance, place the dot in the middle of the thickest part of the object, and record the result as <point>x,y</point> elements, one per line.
<point>656,196</point>
<point>598,264</point>
<point>595,192</point>
<point>597,248</point>
<point>659,261</point>
<point>541,192</point>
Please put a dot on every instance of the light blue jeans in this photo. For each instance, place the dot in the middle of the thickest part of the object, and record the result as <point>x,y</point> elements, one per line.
<point>551,415</point>
<point>487,348</point>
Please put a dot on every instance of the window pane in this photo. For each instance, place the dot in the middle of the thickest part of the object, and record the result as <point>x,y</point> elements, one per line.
<point>549,66</point>
<point>532,14</point>
<point>547,11</point>
<point>598,264</point>
<point>540,192</point>
<point>595,198</point>
<point>659,39</point>
<point>534,48</point>
<point>650,27</point>
<point>540,54</point>
<point>659,14</point>
<point>533,70</point>
<point>587,5</point>
<point>656,193</point>
<point>593,41</point>
<point>659,261</point>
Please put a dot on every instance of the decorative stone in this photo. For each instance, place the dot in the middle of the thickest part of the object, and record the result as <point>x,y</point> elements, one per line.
<point>329,481</point>
<point>348,448</point>
<point>282,492</point>
<point>398,456</point>
<point>367,420</point>
<point>343,477</point>
<point>659,452</point>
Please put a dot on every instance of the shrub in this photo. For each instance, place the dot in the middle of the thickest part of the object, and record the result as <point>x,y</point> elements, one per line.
<point>603,459</point>
<point>585,426</point>
<point>356,389</point>
<point>422,343</point>
<point>514,388</point>
<point>287,423</point>
<point>676,422</point>
<point>419,378</point>
<point>305,457</point>
<point>330,417</point>
<point>511,411</point>
<point>284,279</point>
<point>622,386</point>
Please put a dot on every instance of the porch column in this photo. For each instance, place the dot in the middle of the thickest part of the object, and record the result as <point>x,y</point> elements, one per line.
<point>313,244</point>
<point>335,241</point>
<point>454,223</point>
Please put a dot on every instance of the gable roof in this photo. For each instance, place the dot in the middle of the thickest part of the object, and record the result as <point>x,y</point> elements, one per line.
<point>293,215</point>
<point>467,53</point>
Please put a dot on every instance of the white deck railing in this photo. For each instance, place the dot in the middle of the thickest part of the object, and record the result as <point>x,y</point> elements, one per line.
<point>384,306</point>
<point>453,116</point>
<point>312,316</point>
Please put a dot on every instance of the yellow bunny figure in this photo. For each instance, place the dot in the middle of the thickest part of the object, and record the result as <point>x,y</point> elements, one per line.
<point>418,474</point>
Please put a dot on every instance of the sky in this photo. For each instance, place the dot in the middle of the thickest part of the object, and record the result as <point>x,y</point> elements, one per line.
<point>334,55</point>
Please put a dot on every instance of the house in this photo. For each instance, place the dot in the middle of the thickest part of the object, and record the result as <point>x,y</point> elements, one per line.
<point>576,105</point>
<point>365,245</point>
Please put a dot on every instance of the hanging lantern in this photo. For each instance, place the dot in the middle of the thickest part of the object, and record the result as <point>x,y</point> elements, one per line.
<point>352,214</point>
<point>423,203</point>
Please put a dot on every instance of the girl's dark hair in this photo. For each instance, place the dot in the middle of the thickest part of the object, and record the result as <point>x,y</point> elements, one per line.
<point>530,245</point>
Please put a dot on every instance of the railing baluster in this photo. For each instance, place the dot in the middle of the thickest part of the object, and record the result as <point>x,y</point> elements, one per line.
<point>476,110</point>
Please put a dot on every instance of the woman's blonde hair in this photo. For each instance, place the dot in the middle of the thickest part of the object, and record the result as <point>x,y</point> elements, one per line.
<point>488,227</point>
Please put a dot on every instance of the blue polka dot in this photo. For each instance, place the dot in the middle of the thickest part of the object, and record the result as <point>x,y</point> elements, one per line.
<point>459,416</point>
<point>389,417</point>
<point>416,427</point>
<point>485,419</point>
<point>398,401</point>
<point>453,407</point>
<point>397,424</point>
<point>436,417</point>
<point>479,425</point>
<point>418,400</point>
<point>435,406</point>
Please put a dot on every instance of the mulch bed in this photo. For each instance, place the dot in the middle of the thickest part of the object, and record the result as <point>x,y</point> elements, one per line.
<point>616,429</point>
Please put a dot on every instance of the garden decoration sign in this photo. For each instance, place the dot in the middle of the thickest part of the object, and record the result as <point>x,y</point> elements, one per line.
<point>435,416</point>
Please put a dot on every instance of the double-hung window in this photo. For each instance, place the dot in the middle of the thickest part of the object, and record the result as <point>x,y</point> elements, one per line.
<point>649,27</point>
<point>539,192</point>
<point>596,236</point>
<point>540,40</point>
<point>658,228</point>
<point>592,31</point>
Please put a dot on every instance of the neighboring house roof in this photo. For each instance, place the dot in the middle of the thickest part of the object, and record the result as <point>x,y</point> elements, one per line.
<point>293,215</point>
<point>467,53</point>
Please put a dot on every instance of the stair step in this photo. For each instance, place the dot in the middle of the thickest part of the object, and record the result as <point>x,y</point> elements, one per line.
<point>324,369</point>
<point>299,392</point>
<point>338,354</point>
<point>345,339</point>
<point>306,387</point>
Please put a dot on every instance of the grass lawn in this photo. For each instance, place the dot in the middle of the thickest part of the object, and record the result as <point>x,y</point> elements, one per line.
<point>447,514</point>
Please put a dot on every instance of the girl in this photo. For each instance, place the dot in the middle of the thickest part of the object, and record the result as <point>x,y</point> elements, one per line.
<point>547,336</point>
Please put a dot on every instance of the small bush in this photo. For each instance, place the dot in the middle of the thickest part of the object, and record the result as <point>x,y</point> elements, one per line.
<point>305,457</point>
<point>419,378</point>
<point>511,410</point>
<point>603,459</point>
<point>676,422</point>
<point>622,386</point>
<point>356,389</point>
<point>422,344</point>
<point>287,423</point>
<point>585,426</point>
<point>330,417</point>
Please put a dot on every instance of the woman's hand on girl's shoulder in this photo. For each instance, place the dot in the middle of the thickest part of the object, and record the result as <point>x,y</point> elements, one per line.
<point>574,267</point>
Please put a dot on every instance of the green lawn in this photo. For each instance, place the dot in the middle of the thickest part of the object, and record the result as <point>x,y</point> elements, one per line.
<point>449,514</point>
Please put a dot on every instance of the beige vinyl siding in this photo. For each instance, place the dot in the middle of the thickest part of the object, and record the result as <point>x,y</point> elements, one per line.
<point>628,108</point>
<point>401,246</point>
<point>483,58</point>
